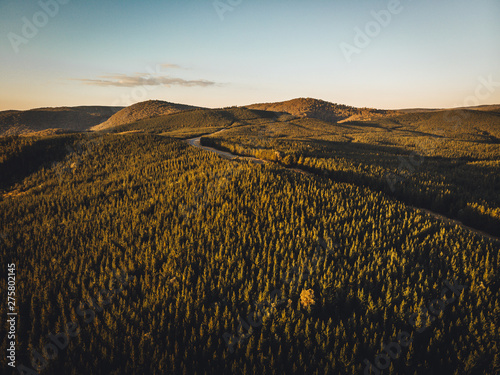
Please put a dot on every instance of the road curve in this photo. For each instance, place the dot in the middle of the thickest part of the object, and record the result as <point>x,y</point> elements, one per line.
<point>195,142</point>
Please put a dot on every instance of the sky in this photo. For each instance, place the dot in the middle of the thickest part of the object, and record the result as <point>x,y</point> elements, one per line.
<point>366,53</point>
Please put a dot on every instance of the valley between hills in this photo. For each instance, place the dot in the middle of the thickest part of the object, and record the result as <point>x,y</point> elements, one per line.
<point>293,237</point>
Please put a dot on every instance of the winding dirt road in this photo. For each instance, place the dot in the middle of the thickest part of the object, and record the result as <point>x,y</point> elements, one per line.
<point>195,142</point>
<point>456,222</point>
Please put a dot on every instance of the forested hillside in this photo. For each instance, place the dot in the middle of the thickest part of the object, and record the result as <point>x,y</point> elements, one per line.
<point>320,109</point>
<point>445,161</point>
<point>199,121</point>
<point>140,111</point>
<point>171,259</point>
<point>61,118</point>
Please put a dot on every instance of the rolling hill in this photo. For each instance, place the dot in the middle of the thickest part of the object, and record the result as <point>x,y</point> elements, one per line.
<point>61,118</point>
<point>140,111</point>
<point>311,119</point>
<point>320,109</point>
<point>478,123</point>
<point>196,121</point>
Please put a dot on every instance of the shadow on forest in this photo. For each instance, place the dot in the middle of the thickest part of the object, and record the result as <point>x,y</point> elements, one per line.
<point>30,158</point>
<point>448,186</point>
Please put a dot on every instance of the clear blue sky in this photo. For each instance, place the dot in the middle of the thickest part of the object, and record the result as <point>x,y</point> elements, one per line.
<point>430,54</point>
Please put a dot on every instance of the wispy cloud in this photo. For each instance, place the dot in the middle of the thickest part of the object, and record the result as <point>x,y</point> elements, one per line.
<point>124,80</point>
<point>171,66</point>
<point>157,77</point>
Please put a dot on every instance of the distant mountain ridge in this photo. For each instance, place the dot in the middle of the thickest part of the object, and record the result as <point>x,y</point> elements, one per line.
<point>487,107</point>
<point>157,114</point>
<point>321,110</point>
<point>142,110</point>
<point>59,119</point>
